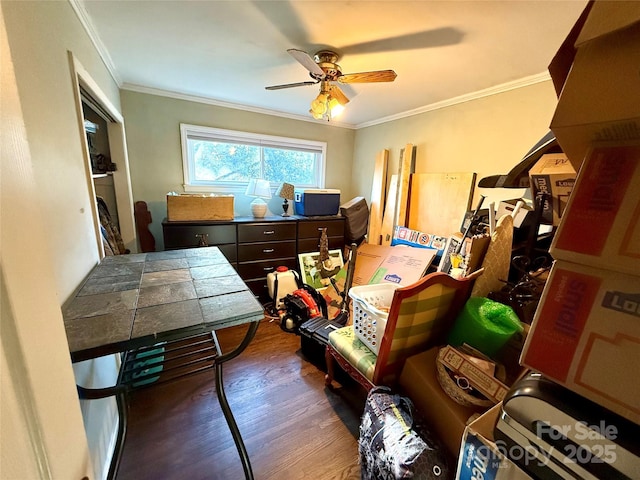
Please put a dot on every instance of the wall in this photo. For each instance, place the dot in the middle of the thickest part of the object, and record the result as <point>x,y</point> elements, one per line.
<point>489,136</point>
<point>153,137</point>
<point>40,35</point>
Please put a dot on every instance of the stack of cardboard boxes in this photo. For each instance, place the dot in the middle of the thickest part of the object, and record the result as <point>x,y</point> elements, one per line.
<point>586,330</point>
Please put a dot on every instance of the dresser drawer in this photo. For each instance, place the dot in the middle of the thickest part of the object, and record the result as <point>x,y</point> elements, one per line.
<point>186,236</point>
<point>229,251</point>
<point>307,245</point>
<point>253,270</point>
<point>266,232</point>
<point>260,289</point>
<point>264,251</point>
<point>313,229</point>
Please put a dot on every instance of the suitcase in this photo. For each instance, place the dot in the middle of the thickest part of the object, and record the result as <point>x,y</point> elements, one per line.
<point>356,214</point>
<point>553,433</point>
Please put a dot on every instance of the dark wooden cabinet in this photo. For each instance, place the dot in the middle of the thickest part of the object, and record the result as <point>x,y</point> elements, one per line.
<point>256,247</point>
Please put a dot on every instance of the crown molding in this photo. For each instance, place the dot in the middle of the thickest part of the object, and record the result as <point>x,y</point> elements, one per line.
<point>219,103</point>
<point>487,92</point>
<point>85,20</point>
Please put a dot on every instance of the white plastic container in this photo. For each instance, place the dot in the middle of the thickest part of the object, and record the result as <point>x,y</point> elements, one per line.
<point>371,305</point>
<point>287,283</point>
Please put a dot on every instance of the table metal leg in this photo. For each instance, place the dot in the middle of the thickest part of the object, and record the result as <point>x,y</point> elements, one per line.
<point>222,398</point>
<point>120,392</point>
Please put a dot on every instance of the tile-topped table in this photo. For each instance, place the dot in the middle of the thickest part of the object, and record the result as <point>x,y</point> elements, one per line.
<point>134,301</point>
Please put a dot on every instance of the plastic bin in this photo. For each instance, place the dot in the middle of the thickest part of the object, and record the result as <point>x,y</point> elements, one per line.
<point>370,312</point>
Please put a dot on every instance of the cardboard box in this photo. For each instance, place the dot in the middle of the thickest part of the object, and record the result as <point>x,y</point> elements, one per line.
<point>586,335</point>
<point>486,384</point>
<point>482,457</point>
<point>187,207</point>
<point>400,264</point>
<point>553,175</point>
<point>310,202</point>
<point>600,97</point>
<point>447,418</point>
<point>601,225</point>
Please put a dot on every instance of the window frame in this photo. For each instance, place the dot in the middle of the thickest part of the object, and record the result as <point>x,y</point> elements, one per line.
<point>261,140</point>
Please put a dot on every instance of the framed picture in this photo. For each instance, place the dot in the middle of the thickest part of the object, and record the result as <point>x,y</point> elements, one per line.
<point>316,273</point>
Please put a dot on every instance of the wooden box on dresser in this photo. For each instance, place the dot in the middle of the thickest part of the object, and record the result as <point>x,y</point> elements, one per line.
<point>257,246</point>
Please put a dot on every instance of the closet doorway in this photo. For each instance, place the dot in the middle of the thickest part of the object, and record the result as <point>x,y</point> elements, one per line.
<point>106,161</point>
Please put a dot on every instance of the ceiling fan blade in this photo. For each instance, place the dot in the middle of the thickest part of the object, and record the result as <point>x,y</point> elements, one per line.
<point>367,77</point>
<point>290,85</point>
<point>338,94</point>
<point>307,62</point>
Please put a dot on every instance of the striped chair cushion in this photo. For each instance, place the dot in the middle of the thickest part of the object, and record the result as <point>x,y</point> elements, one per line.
<point>345,342</point>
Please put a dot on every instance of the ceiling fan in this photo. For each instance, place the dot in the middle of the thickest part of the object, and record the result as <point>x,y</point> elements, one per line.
<point>324,70</point>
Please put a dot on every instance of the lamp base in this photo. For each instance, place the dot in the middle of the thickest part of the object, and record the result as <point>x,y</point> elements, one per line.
<point>258,208</point>
<point>285,207</point>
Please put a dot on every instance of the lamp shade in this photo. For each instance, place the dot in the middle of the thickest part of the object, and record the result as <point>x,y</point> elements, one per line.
<point>285,190</point>
<point>258,188</point>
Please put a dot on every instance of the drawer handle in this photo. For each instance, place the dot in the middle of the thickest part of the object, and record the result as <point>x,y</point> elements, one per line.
<point>267,269</point>
<point>268,250</point>
<point>270,232</point>
<point>202,239</point>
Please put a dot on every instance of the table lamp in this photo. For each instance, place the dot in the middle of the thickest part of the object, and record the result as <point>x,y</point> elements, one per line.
<point>260,189</point>
<point>285,190</point>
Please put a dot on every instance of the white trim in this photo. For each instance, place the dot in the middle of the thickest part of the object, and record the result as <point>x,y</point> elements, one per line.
<point>87,24</point>
<point>118,148</point>
<point>220,103</point>
<point>505,87</point>
<point>495,90</point>
<point>187,130</point>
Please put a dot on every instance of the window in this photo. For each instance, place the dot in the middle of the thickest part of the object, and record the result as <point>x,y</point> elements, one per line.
<point>215,159</point>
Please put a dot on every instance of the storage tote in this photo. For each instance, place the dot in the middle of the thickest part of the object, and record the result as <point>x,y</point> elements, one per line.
<point>371,305</point>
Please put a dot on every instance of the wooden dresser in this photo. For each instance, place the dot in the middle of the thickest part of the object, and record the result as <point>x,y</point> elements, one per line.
<point>256,247</point>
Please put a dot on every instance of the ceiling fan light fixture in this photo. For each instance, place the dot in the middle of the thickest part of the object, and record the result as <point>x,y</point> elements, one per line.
<point>319,106</point>
<point>335,107</point>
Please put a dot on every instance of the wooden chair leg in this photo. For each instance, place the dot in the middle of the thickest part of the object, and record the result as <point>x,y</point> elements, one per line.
<point>328,378</point>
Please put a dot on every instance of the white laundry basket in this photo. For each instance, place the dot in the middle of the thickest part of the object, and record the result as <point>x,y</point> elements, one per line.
<point>370,311</point>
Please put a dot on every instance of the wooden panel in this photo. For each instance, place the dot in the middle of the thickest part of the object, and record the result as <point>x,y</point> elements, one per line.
<point>378,191</point>
<point>439,201</point>
<point>386,232</point>
<point>405,169</point>
<point>199,207</point>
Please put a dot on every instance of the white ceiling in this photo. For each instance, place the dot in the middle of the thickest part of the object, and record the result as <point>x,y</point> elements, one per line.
<point>227,51</point>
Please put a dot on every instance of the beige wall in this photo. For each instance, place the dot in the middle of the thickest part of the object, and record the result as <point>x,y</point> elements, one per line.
<point>152,124</point>
<point>40,35</point>
<point>489,136</point>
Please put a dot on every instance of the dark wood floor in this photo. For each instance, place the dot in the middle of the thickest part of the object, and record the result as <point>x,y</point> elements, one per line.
<point>293,427</point>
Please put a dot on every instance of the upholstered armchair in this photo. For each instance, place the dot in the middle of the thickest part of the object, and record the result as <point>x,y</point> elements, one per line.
<point>420,316</point>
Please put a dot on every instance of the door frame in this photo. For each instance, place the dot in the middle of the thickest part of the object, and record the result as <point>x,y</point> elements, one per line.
<point>118,151</point>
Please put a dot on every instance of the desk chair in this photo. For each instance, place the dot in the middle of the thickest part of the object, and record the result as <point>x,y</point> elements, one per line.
<point>420,317</point>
